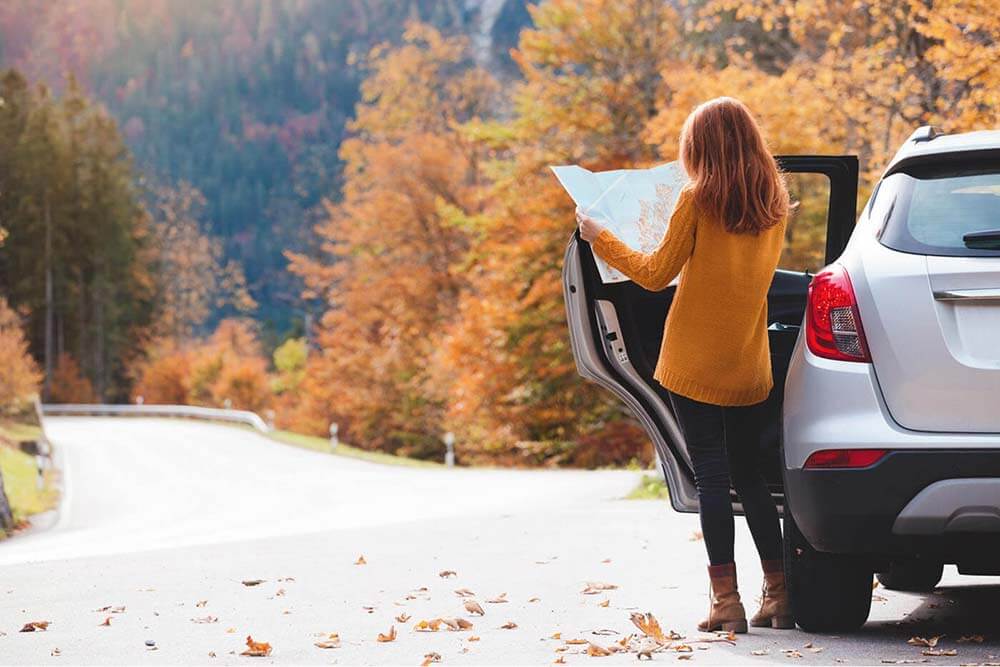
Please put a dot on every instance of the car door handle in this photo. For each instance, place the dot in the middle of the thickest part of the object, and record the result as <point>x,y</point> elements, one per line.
<point>990,294</point>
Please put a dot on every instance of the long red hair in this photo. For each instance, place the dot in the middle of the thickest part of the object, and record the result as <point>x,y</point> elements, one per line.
<point>734,177</point>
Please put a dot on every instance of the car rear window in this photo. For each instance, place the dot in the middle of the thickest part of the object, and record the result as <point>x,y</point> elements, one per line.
<point>932,209</point>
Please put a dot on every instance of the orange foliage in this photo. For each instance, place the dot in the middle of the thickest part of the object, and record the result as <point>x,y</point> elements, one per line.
<point>68,383</point>
<point>19,374</point>
<point>227,370</point>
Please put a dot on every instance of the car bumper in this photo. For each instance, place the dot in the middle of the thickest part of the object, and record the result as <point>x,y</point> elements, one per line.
<point>885,509</point>
<point>838,405</point>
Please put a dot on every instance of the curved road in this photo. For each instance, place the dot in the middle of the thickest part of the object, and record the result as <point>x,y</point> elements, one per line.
<point>167,518</point>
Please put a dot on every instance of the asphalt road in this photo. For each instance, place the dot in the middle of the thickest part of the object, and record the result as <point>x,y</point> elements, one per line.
<point>167,519</point>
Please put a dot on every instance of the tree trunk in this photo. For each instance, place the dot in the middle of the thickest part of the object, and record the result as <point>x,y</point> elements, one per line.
<point>49,347</point>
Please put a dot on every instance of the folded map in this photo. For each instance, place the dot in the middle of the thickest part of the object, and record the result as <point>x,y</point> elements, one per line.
<point>634,204</point>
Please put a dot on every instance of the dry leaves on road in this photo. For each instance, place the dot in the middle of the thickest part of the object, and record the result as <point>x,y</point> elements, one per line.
<point>434,624</point>
<point>256,649</point>
<point>696,536</point>
<point>332,641</point>
<point>444,574</point>
<point>500,599</point>
<point>509,625</point>
<point>112,610</point>
<point>201,603</point>
<point>464,593</point>
<point>970,638</point>
<point>649,626</point>
<point>595,651</point>
<point>105,623</point>
<point>389,636</point>
<point>605,603</point>
<point>429,658</point>
<point>474,607</point>
<point>253,582</point>
<point>361,560</point>
<point>403,618</point>
<point>205,619</point>
<point>595,587</point>
<point>939,652</point>
<point>929,642</point>
<point>35,626</point>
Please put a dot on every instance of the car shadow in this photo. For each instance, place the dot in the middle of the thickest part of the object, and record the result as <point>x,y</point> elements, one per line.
<point>964,616</point>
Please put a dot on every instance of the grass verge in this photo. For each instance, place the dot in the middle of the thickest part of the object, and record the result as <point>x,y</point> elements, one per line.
<point>651,487</point>
<point>318,444</point>
<point>20,480</point>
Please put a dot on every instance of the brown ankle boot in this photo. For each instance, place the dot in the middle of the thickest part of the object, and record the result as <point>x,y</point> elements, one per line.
<point>726,611</point>
<point>775,610</point>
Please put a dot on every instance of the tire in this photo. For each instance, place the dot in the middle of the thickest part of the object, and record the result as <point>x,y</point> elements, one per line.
<point>828,592</point>
<point>916,576</point>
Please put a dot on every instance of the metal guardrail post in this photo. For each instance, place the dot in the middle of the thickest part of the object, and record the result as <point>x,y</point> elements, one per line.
<point>449,454</point>
<point>334,440</point>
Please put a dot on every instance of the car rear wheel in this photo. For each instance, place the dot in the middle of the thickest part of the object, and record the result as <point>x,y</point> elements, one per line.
<point>917,576</point>
<point>828,592</point>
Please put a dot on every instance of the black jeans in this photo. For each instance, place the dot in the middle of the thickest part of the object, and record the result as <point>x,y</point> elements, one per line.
<point>724,444</point>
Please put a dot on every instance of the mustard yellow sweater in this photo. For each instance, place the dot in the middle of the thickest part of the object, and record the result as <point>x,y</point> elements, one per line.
<point>715,348</point>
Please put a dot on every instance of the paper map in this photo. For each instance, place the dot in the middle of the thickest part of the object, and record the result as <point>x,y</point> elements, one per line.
<point>634,204</point>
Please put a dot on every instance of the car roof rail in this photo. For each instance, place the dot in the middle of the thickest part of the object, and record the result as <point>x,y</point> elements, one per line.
<point>925,133</point>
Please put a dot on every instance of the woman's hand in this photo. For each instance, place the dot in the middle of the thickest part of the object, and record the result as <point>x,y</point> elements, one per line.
<point>590,227</point>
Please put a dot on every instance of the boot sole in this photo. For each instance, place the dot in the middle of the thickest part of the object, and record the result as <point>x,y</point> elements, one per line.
<point>776,622</point>
<point>738,627</point>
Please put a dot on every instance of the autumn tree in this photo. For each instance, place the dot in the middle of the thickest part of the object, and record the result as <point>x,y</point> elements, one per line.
<point>391,270</point>
<point>19,374</point>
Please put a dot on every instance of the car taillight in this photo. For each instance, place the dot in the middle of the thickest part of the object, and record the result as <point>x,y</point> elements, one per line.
<point>844,458</point>
<point>833,323</point>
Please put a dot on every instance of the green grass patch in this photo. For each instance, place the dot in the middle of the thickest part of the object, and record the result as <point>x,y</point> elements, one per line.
<point>15,431</point>
<point>651,487</point>
<point>318,444</point>
<point>21,483</point>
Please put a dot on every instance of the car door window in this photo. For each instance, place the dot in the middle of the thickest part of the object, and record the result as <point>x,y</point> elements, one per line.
<point>805,234</point>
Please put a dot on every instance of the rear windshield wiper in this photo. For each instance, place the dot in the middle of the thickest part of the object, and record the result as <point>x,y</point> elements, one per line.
<point>985,240</point>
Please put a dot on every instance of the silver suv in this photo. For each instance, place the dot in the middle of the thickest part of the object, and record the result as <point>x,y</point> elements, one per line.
<point>883,444</point>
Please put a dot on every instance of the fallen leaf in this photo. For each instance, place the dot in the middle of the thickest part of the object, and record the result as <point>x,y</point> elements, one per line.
<point>509,625</point>
<point>230,630</point>
<point>403,618</point>
<point>937,652</point>
<point>500,599</point>
<point>696,536</point>
<point>257,649</point>
<point>686,656</point>
<point>429,658</point>
<point>332,641</point>
<point>457,624</point>
<point>253,582</point>
<point>444,574</point>
<point>432,625</point>
<point>205,619</point>
<point>279,593</point>
<point>970,638</point>
<point>595,651</point>
<point>107,622</point>
<point>559,661</point>
<point>465,593</point>
<point>760,651</point>
<point>112,610</point>
<point>472,638</point>
<point>474,607</point>
<point>574,642</point>
<point>556,635</point>
<point>791,653</point>
<point>370,610</point>
<point>389,636</point>
<point>56,652</point>
<point>361,560</point>
<point>534,599</point>
<point>594,587</point>
<point>211,654</point>
<point>930,642</point>
<point>682,648</point>
<point>649,626</point>
<point>605,603</point>
<point>201,603</point>
<point>35,626</point>
<point>606,560</point>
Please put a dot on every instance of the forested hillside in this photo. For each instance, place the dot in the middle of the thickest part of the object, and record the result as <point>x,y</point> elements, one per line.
<point>245,100</point>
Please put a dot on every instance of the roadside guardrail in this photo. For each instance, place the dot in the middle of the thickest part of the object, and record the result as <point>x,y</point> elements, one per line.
<point>247,417</point>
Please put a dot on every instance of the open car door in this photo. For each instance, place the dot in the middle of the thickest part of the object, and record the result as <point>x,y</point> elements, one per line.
<point>616,328</point>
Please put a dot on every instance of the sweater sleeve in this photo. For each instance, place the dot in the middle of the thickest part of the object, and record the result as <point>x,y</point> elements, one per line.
<point>655,270</point>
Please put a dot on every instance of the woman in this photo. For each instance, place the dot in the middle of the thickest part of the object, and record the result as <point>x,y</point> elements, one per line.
<point>724,240</point>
